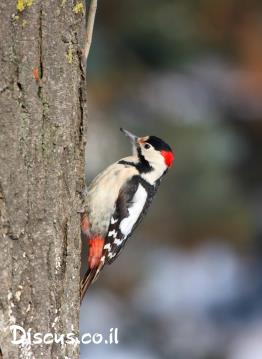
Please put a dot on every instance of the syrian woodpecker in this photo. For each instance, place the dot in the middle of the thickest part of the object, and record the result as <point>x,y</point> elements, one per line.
<point>118,199</point>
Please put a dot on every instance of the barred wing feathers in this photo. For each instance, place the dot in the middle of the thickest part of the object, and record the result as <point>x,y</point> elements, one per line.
<point>130,205</point>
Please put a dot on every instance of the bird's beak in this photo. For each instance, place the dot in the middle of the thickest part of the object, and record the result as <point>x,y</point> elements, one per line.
<point>133,138</point>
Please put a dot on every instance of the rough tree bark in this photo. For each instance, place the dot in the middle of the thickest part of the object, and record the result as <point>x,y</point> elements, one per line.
<point>43,116</point>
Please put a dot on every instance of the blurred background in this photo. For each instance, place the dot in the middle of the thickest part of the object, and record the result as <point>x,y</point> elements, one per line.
<point>189,283</point>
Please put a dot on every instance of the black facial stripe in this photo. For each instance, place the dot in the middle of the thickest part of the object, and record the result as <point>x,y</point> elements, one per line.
<point>127,163</point>
<point>142,166</point>
<point>158,144</point>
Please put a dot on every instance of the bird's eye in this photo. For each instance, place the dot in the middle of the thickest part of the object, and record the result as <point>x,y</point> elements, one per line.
<point>147,146</point>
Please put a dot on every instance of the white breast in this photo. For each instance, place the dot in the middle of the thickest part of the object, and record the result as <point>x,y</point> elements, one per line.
<point>139,201</point>
<point>102,194</point>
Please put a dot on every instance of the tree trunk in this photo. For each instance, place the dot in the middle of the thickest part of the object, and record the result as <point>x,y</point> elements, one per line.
<point>41,172</point>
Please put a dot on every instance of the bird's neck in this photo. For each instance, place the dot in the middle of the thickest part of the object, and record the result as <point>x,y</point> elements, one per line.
<point>150,173</point>
<point>154,175</point>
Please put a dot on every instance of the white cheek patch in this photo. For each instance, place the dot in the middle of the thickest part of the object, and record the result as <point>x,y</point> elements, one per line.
<point>157,162</point>
<point>139,201</point>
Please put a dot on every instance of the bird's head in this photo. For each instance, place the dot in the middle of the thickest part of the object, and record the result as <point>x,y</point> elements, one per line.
<point>151,149</point>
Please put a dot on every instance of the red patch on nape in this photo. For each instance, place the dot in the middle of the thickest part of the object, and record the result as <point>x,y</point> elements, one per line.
<point>169,157</point>
<point>96,245</point>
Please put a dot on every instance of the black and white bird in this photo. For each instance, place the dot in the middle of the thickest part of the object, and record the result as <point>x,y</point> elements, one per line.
<point>118,199</point>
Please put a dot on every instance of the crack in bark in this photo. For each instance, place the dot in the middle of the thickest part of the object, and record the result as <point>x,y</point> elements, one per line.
<point>81,97</point>
<point>39,93</point>
<point>40,45</point>
<point>16,80</point>
<point>41,67</point>
<point>21,98</point>
<point>81,123</point>
<point>65,244</point>
<point>44,103</point>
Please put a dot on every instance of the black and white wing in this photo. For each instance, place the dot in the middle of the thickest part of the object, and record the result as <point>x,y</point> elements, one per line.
<point>132,202</point>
